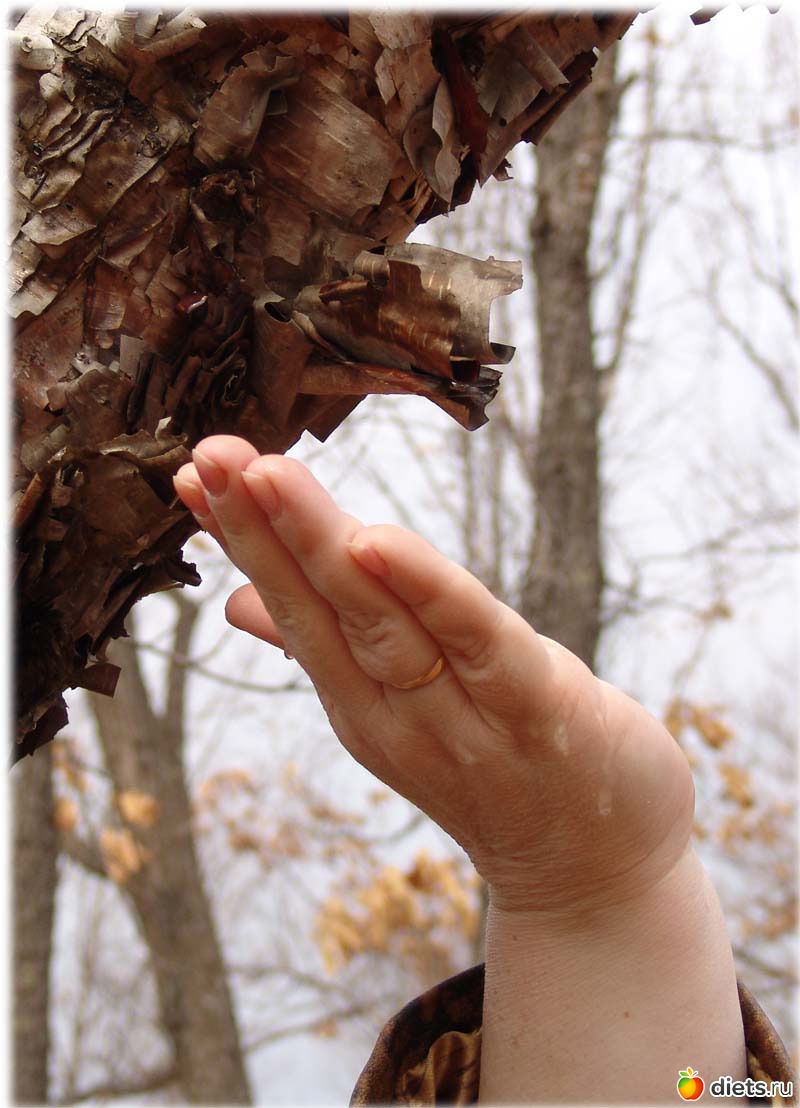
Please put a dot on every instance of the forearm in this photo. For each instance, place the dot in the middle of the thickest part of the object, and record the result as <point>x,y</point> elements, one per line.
<point>609,1009</point>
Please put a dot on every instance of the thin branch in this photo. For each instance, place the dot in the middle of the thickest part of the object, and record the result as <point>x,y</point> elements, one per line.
<point>643,227</point>
<point>725,538</point>
<point>297,977</point>
<point>428,472</point>
<point>309,1027</point>
<point>86,979</point>
<point>175,711</point>
<point>711,138</point>
<point>771,373</point>
<point>781,973</point>
<point>469,524</point>
<point>394,836</point>
<point>224,679</point>
<point>109,1090</point>
<point>386,489</point>
<point>85,852</point>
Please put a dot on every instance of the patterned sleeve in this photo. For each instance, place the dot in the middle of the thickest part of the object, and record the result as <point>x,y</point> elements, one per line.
<point>430,1052</point>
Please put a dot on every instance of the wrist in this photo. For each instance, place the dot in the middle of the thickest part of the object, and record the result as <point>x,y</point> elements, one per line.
<point>643,987</point>
<point>609,911</point>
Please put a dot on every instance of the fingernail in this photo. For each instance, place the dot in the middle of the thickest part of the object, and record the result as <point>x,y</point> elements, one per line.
<point>213,476</point>
<point>369,558</point>
<point>191,495</point>
<point>182,486</point>
<point>263,492</point>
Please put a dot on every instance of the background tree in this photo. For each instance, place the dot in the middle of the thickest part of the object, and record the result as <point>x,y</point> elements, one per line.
<point>33,889</point>
<point>147,847</point>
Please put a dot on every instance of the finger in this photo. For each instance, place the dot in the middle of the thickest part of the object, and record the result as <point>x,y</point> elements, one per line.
<point>245,610</point>
<point>386,639</point>
<point>306,621</point>
<point>356,704</point>
<point>498,658</point>
<point>189,488</point>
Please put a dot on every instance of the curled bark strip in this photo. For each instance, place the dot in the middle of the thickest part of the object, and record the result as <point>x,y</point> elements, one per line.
<point>209,213</point>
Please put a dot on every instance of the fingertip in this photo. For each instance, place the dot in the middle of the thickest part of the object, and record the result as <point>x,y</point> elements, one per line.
<point>245,611</point>
<point>234,600</point>
<point>369,558</point>
<point>223,454</point>
<point>212,445</point>
<point>276,467</point>
<point>262,489</point>
<point>276,461</point>
<point>192,496</point>
<point>187,474</point>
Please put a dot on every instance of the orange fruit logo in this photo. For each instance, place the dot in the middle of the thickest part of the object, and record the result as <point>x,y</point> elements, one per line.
<point>690,1084</point>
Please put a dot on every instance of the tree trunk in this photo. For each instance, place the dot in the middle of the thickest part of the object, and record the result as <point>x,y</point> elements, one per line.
<point>209,217</point>
<point>144,755</point>
<point>563,587</point>
<point>34,886</point>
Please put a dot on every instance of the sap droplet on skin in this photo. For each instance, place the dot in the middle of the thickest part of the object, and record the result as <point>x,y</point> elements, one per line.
<point>561,738</point>
<point>604,801</point>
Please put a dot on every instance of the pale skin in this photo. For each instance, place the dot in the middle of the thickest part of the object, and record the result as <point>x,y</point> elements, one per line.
<point>608,967</point>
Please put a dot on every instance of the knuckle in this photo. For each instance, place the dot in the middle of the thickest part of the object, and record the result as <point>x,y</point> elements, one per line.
<point>388,531</point>
<point>376,633</point>
<point>236,532</point>
<point>479,653</point>
<point>289,616</point>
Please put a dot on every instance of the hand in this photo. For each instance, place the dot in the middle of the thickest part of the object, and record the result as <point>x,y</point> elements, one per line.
<point>606,950</point>
<point>565,793</point>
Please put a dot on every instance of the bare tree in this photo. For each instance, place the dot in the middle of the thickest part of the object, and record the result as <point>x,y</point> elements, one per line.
<point>149,850</point>
<point>34,888</point>
<point>562,590</point>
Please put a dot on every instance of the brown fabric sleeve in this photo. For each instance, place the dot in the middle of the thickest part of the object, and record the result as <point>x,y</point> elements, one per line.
<point>430,1052</point>
<point>767,1057</point>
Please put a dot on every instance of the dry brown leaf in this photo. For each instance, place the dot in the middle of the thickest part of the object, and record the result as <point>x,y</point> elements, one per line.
<point>710,726</point>
<point>235,779</point>
<point>397,912</point>
<point>138,808</point>
<point>242,840</point>
<point>738,785</point>
<point>675,718</point>
<point>123,855</point>
<point>65,814</point>
<point>706,720</point>
<point>286,841</point>
<point>328,1029</point>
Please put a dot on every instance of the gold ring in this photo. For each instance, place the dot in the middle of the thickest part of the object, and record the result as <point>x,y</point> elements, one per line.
<point>425,679</point>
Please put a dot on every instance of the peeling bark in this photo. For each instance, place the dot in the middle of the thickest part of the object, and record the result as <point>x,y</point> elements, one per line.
<point>209,216</point>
